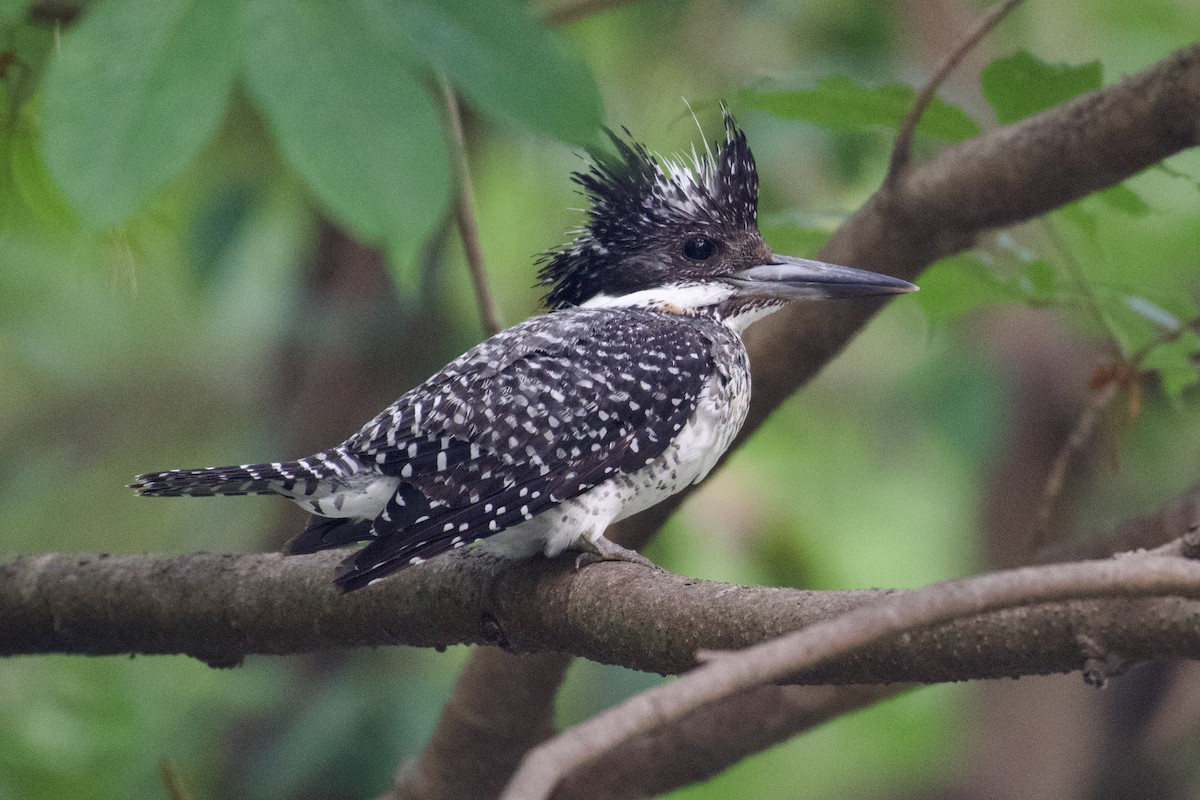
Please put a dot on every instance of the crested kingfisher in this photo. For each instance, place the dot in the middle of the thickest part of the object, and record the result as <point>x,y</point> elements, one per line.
<point>627,391</point>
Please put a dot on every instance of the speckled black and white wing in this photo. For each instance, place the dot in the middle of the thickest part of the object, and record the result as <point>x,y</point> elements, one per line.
<point>628,391</point>
<point>530,418</point>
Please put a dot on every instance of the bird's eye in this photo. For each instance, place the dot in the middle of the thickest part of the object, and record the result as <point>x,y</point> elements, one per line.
<point>699,248</point>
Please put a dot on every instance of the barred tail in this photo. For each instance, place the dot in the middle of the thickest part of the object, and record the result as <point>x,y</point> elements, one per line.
<point>279,478</point>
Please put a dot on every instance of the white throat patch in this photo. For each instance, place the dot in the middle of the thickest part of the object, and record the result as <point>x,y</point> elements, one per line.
<point>683,298</point>
<point>687,296</point>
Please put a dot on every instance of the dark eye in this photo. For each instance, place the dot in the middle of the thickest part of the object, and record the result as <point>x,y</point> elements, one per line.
<point>699,248</point>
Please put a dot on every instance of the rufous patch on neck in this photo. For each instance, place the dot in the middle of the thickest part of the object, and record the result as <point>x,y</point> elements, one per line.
<point>668,307</point>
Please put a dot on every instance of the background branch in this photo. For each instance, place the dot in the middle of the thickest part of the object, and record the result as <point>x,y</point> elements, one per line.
<point>907,612</point>
<point>464,214</point>
<point>503,701</point>
<point>902,149</point>
<point>708,741</point>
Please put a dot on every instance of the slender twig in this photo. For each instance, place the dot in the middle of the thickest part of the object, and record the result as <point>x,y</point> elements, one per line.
<point>1086,289</point>
<point>575,10</point>
<point>1125,372</point>
<point>1135,576</point>
<point>902,150</point>
<point>1080,435</point>
<point>1173,523</point>
<point>172,786</point>
<point>465,215</point>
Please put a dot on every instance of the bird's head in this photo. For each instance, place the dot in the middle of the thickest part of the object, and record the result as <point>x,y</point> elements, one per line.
<point>684,237</point>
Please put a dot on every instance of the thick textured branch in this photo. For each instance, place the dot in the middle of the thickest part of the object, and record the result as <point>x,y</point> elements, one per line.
<point>222,608</point>
<point>898,615</point>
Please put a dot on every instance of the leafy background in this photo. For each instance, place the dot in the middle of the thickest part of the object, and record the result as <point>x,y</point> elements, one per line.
<point>175,175</point>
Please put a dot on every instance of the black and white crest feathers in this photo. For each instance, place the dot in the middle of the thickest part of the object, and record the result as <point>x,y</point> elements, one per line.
<point>640,203</point>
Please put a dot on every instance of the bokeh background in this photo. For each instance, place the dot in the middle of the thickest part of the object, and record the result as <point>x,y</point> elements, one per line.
<point>230,319</point>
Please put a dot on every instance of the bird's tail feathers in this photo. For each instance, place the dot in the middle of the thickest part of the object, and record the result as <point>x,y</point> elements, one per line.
<point>381,558</point>
<point>279,478</point>
<point>326,533</point>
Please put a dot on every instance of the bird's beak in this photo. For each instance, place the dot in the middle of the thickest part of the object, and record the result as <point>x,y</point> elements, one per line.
<point>798,278</point>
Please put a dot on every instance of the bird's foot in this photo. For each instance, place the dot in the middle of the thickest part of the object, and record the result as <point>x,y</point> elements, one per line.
<point>602,549</point>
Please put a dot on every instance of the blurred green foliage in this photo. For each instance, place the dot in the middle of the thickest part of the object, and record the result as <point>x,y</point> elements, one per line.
<point>840,104</point>
<point>341,86</point>
<point>1022,84</point>
<point>164,170</point>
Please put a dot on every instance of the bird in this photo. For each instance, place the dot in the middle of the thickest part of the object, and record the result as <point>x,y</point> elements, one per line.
<point>628,389</point>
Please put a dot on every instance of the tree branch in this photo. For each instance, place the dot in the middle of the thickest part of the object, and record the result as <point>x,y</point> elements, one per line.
<point>807,649</point>
<point>222,608</point>
<point>707,741</point>
<point>503,705</point>
<point>902,149</point>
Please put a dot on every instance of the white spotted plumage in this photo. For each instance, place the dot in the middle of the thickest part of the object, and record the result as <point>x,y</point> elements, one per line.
<point>581,410</point>
<point>628,391</point>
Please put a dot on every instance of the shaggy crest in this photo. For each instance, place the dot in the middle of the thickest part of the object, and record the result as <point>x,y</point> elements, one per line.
<point>641,203</point>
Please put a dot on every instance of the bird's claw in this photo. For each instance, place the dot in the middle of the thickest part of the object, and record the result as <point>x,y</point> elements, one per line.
<point>604,550</point>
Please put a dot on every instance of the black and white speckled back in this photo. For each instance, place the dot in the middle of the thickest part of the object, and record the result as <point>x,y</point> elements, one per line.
<point>537,415</point>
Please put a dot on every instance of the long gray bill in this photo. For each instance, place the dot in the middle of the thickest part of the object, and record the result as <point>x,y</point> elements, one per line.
<point>795,278</point>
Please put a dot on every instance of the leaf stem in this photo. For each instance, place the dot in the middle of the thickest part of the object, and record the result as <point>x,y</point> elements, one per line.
<point>902,150</point>
<point>464,214</point>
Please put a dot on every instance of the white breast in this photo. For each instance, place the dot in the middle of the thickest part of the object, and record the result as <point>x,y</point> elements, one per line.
<point>720,412</point>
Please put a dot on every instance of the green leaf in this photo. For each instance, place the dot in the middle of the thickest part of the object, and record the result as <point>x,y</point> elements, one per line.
<point>31,182</point>
<point>1019,85</point>
<point>13,12</point>
<point>1039,281</point>
<point>135,92</point>
<point>1082,218</point>
<point>840,104</point>
<point>502,58</point>
<point>958,284</point>
<point>350,117</point>
<point>1122,198</point>
<point>1176,363</point>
